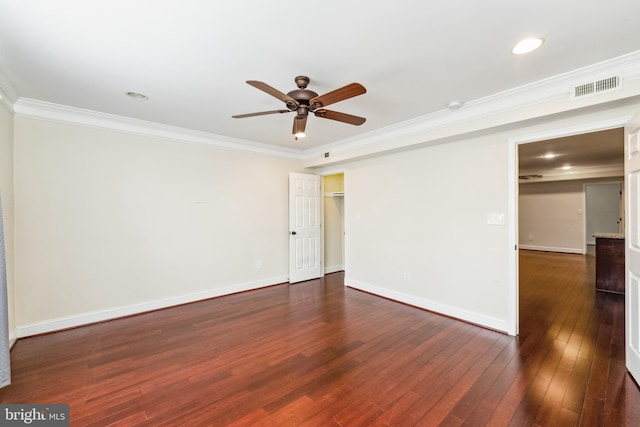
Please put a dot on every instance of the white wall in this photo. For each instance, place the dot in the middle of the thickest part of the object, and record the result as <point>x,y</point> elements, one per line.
<point>416,221</point>
<point>552,215</point>
<point>604,208</point>
<point>109,223</point>
<point>6,192</point>
<point>416,228</point>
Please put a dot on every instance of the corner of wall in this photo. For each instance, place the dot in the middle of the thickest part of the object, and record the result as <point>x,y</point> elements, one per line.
<point>7,191</point>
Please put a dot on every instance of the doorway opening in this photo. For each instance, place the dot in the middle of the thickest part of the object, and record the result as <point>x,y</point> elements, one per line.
<point>549,173</point>
<point>333,222</point>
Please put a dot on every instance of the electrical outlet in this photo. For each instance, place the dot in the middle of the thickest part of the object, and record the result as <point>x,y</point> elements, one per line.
<point>259,264</point>
<point>407,275</point>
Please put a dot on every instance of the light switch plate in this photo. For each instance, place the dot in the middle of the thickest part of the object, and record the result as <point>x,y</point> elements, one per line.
<point>495,219</point>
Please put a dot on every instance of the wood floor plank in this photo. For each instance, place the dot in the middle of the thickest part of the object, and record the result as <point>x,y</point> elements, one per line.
<point>480,388</point>
<point>320,354</point>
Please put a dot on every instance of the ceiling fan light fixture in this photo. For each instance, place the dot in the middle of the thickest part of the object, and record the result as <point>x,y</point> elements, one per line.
<point>527,45</point>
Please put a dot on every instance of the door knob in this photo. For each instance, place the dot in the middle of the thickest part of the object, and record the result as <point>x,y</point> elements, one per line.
<point>293,233</point>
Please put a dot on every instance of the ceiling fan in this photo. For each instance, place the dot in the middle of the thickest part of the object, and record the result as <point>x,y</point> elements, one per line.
<point>302,101</point>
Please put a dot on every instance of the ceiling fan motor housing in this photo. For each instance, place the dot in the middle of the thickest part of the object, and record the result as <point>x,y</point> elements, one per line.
<point>302,95</point>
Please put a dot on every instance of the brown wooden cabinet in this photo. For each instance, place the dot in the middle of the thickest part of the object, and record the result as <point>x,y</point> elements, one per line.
<point>609,262</point>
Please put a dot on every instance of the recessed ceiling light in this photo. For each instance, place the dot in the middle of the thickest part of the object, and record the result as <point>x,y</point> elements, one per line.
<point>137,96</point>
<point>527,45</point>
<point>566,168</point>
<point>550,156</point>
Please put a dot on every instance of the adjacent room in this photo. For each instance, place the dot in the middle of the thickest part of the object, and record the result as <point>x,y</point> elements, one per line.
<point>268,213</point>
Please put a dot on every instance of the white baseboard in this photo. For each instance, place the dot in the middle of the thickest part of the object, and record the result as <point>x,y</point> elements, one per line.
<point>333,269</point>
<point>552,249</point>
<point>100,316</point>
<point>468,316</point>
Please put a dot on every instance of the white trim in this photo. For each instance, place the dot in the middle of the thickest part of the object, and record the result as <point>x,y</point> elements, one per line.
<point>584,172</point>
<point>114,313</point>
<point>32,108</point>
<point>333,269</point>
<point>447,310</point>
<point>8,94</point>
<point>340,171</point>
<point>583,196</point>
<point>484,113</point>
<point>5,100</point>
<point>522,102</point>
<point>331,172</point>
<point>553,249</point>
<point>513,287</point>
<point>587,127</point>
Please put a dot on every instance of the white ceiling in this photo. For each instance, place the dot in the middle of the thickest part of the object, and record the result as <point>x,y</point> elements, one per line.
<point>192,58</point>
<point>594,152</point>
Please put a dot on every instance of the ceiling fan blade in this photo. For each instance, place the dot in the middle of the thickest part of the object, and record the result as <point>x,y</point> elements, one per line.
<point>261,113</point>
<point>299,124</point>
<point>341,117</point>
<point>273,92</point>
<point>345,92</point>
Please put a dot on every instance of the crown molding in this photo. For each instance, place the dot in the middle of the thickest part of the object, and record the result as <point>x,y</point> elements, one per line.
<point>537,99</point>
<point>32,108</point>
<point>600,125</point>
<point>584,172</point>
<point>5,99</point>
<point>8,94</point>
<point>502,108</point>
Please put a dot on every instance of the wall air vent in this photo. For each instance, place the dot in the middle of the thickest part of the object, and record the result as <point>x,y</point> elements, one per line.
<point>595,87</point>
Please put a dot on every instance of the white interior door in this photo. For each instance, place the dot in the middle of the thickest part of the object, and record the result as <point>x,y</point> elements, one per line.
<point>305,227</point>
<point>632,252</point>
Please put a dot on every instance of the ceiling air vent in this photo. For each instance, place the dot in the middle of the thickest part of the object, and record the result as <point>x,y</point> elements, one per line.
<point>594,87</point>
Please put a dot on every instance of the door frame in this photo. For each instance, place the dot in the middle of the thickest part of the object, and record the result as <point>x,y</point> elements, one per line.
<point>512,203</point>
<point>344,213</point>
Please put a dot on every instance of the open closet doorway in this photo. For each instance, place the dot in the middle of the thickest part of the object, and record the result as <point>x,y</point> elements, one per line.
<point>333,222</point>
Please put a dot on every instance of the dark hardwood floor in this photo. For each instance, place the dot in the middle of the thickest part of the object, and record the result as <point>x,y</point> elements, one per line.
<point>320,354</point>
